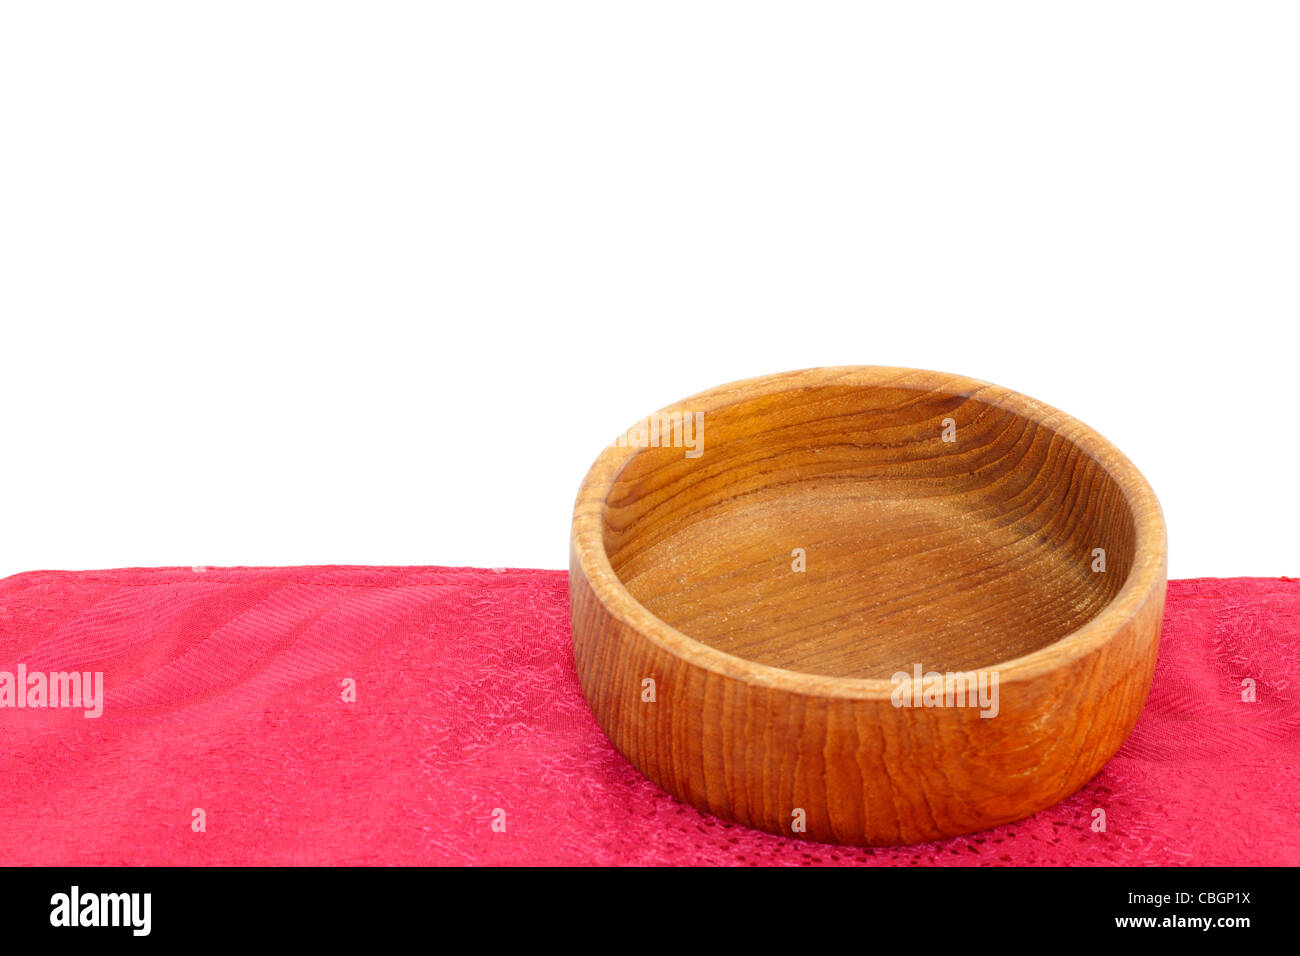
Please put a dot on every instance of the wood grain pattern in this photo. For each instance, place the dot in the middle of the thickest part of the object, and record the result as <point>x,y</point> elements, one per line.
<point>945,523</point>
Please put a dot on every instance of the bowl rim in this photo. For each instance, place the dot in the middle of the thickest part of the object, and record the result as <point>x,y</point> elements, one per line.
<point>1145,577</point>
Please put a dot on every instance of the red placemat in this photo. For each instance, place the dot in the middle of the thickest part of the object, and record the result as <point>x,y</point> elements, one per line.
<point>469,741</point>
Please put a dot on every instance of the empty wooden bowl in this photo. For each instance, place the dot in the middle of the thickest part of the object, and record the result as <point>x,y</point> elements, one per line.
<point>866,605</point>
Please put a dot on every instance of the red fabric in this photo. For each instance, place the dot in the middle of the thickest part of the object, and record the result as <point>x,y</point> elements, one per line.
<point>223,693</point>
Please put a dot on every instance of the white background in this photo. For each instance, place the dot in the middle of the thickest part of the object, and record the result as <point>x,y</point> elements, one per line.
<point>289,283</point>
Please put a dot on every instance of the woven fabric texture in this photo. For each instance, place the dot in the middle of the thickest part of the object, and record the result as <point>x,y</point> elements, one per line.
<point>227,736</point>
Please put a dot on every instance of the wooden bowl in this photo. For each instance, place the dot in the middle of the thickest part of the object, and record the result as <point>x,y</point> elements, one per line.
<point>866,605</point>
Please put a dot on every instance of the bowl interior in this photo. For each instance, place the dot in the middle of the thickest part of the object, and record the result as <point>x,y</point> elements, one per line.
<point>857,531</point>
